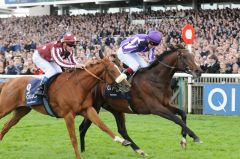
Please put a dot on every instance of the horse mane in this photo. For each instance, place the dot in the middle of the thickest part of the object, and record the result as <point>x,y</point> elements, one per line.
<point>172,48</point>
<point>91,62</point>
<point>88,64</point>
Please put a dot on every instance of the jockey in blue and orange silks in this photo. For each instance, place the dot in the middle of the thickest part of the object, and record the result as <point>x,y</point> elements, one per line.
<point>54,55</point>
<point>129,48</point>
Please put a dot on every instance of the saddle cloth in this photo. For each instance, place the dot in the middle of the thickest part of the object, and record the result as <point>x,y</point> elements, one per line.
<point>33,100</point>
<point>112,92</point>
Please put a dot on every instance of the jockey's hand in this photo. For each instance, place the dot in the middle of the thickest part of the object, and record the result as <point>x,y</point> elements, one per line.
<point>81,66</point>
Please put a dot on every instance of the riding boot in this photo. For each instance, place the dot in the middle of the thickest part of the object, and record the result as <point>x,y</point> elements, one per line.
<point>40,90</point>
<point>128,72</point>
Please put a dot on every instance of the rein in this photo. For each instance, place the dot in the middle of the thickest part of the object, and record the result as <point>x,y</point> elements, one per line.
<point>187,70</point>
<point>166,65</point>
<point>89,72</point>
<point>93,74</point>
<point>71,75</point>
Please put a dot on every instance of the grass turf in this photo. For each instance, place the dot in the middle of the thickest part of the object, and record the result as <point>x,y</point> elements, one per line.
<point>42,137</point>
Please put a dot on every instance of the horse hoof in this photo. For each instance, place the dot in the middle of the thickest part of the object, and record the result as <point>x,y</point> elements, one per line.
<point>183,143</point>
<point>197,141</point>
<point>141,152</point>
<point>126,143</point>
<point>82,150</point>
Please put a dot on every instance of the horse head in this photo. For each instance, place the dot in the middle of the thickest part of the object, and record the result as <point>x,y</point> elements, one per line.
<point>179,59</point>
<point>186,62</point>
<point>114,77</point>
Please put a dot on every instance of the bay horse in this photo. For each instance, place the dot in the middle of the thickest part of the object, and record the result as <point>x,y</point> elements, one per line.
<point>69,95</point>
<point>150,94</point>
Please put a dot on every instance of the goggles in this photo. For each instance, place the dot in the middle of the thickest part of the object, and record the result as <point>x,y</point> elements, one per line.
<point>71,44</point>
<point>153,43</point>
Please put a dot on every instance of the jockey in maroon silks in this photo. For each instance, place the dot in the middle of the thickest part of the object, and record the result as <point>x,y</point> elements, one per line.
<point>54,55</point>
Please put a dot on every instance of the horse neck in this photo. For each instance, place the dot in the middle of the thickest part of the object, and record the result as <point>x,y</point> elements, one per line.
<point>163,71</point>
<point>87,80</point>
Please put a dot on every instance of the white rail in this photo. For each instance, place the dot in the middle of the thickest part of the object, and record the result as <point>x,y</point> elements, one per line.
<point>14,76</point>
<point>188,77</point>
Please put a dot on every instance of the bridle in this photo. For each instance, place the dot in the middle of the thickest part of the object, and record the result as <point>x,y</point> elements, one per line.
<point>180,57</point>
<point>107,71</point>
<point>93,74</point>
<point>110,73</point>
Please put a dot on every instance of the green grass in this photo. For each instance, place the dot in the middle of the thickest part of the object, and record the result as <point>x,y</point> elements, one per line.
<point>42,137</point>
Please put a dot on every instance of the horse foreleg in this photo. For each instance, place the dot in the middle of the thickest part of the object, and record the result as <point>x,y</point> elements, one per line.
<point>120,120</point>
<point>93,116</point>
<point>86,123</point>
<point>167,114</point>
<point>17,115</point>
<point>69,119</point>
<point>5,111</point>
<point>183,115</point>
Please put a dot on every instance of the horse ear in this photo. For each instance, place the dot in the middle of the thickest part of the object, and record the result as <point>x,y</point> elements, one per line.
<point>100,53</point>
<point>180,46</point>
<point>89,62</point>
<point>170,47</point>
<point>107,57</point>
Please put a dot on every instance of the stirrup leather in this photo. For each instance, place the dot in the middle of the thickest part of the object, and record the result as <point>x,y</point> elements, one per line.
<point>40,90</point>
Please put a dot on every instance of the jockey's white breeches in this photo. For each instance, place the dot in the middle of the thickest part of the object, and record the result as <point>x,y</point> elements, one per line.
<point>49,68</point>
<point>132,60</point>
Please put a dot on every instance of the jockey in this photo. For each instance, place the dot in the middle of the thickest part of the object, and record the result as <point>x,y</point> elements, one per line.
<point>54,55</point>
<point>129,48</point>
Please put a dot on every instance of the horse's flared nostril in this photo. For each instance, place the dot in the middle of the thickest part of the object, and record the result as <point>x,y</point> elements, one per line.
<point>198,72</point>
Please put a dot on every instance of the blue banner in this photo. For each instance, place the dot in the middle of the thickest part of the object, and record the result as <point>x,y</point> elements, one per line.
<point>28,1</point>
<point>221,99</point>
<point>19,1</point>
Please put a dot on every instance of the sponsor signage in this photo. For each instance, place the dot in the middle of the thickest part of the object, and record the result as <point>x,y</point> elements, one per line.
<point>221,99</point>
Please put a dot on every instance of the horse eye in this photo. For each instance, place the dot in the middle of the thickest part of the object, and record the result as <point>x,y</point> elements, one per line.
<point>112,71</point>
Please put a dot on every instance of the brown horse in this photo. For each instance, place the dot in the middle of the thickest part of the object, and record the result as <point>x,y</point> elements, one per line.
<point>69,95</point>
<point>150,94</point>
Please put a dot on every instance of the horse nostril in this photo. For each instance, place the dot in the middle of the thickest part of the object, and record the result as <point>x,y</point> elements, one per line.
<point>198,72</point>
